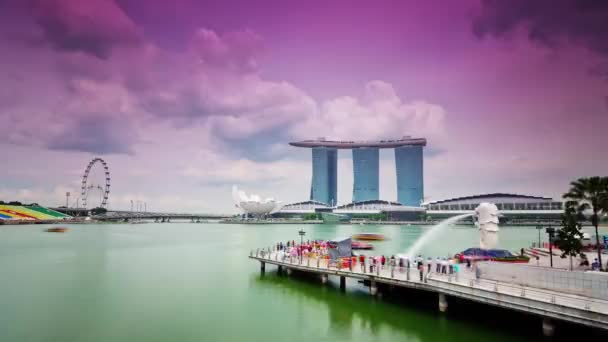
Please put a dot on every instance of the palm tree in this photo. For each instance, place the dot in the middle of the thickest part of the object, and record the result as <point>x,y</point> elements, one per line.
<point>570,235</point>
<point>591,193</point>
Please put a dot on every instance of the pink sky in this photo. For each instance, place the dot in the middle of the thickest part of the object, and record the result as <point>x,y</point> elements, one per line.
<point>185,98</point>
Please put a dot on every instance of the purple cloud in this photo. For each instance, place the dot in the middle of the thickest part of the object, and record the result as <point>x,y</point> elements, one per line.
<point>549,22</point>
<point>93,27</point>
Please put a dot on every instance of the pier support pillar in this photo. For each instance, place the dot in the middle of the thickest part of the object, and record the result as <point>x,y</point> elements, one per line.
<point>324,278</point>
<point>342,283</point>
<point>443,303</point>
<point>373,288</point>
<point>548,327</point>
<point>262,267</point>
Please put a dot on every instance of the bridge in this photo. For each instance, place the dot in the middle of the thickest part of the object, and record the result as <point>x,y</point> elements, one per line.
<point>551,306</point>
<point>129,216</point>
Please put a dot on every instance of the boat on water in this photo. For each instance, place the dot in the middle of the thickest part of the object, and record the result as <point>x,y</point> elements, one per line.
<point>361,245</point>
<point>368,237</point>
<point>57,230</point>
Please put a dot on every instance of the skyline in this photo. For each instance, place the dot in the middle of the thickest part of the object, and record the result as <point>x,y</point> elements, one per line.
<point>184,99</point>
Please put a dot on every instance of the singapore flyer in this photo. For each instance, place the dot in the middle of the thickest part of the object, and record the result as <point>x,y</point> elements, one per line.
<point>96,179</point>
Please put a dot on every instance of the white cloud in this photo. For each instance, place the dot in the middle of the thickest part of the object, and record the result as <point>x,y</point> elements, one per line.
<point>381,114</point>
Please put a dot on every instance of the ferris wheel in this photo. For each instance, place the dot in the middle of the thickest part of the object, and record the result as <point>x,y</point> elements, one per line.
<point>87,186</point>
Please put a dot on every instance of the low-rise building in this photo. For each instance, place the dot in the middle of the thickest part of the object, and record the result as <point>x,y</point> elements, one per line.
<point>514,208</point>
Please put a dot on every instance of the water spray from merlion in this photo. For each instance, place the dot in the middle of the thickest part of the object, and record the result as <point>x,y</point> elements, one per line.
<point>486,215</point>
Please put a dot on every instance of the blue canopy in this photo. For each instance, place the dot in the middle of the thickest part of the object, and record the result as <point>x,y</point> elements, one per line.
<point>490,253</point>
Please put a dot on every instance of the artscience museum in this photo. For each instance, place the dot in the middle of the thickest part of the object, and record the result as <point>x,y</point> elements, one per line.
<point>253,204</point>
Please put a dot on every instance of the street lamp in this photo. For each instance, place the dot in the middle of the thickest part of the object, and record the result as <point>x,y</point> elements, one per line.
<point>301,233</point>
<point>551,231</point>
<point>539,228</point>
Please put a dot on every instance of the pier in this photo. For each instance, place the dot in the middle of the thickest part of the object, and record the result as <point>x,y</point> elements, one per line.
<point>551,306</point>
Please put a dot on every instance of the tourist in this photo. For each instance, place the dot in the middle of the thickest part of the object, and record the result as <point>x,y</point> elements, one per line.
<point>421,269</point>
<point>451,266</point>
<point>444,266</point>
<point>383,261</point>
<point>393,261</point>
<point>438,265</point>
<point>362,262</point>
<point>400,264</point>
<point>456,268</point>
<point>595,265</point>
<point>429,263</point>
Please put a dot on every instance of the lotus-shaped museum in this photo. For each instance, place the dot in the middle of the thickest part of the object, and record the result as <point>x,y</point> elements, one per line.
<point>253,204</point>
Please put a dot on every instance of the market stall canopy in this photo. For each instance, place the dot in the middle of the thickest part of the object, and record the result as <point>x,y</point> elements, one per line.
<point>340,248</point>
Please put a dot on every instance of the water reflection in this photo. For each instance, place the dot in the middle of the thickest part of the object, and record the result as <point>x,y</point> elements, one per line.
<point>355,312</point>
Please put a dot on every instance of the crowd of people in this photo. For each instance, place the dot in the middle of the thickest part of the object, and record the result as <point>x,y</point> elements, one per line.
<point>309,249</point>
<point>319,249</point>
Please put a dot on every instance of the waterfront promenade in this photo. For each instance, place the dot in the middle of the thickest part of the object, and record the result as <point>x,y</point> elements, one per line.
<point>552,306</point>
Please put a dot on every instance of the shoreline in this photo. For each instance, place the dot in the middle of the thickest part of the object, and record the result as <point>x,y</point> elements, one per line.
<point>287,222</point>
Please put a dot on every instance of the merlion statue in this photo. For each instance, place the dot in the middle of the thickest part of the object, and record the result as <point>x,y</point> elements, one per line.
<point>487,220</point>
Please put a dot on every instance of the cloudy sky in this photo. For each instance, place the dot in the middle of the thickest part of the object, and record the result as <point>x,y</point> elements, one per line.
<point>184,98</point>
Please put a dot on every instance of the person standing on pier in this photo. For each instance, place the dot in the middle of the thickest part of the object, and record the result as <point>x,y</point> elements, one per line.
<point>383,261</point>
<point>421,269</point>
<point>400,264</point>
<point>595,265</point>
<point>438,265</point>
<point>429,263</point>
<point>362,262</point>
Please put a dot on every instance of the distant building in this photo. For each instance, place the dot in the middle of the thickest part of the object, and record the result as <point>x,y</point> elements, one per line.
<point>307,207</point>
<point>513,208</point>
<point>408,161</point>
<point>410,175</point>
<point>366,167</point>
<point>253,204</point>
<point>324,187</point>
<point>383,210</point>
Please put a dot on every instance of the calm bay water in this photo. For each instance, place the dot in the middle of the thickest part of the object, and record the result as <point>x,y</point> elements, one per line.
<point>194,282</point>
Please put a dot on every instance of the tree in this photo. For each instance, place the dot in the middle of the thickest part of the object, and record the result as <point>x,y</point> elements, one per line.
<point>569,237</point>
<point>98,211</point>
<point>591,194</point>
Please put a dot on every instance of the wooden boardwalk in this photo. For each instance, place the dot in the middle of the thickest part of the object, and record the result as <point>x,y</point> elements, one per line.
<point>551,305</point>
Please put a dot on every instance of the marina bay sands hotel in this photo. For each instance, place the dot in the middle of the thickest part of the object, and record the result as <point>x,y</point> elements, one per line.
<point>366,155</point>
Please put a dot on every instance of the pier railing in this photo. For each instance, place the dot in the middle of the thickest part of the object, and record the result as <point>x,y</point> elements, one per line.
<point>463,281</point>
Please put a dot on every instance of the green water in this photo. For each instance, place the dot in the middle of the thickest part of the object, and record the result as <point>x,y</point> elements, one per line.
<point>194,282</point>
